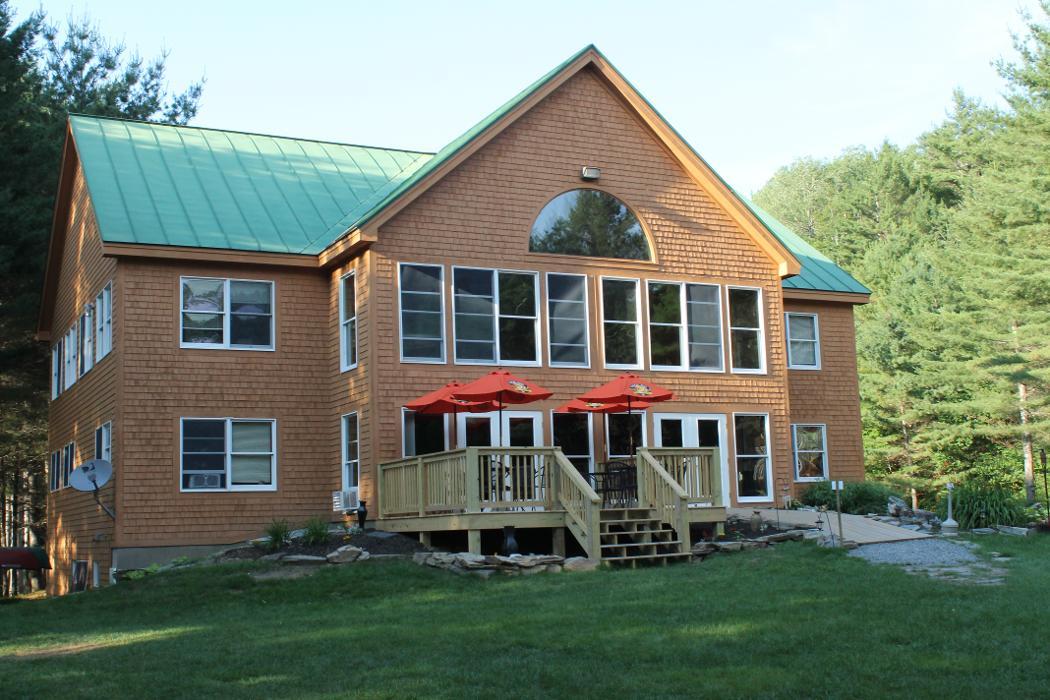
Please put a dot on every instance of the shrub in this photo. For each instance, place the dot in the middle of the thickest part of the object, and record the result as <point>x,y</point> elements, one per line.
<point>979,505</point>
<point>315,531</point>
<point>278,531</point>
<point>858,497</point>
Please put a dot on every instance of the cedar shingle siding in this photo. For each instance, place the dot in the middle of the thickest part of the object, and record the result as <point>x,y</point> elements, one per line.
<point>479,215</point>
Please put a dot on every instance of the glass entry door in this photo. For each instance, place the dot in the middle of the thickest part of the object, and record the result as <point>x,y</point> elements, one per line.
<point>695,430</point>
<point>507,480</point>
<point>520,429</point>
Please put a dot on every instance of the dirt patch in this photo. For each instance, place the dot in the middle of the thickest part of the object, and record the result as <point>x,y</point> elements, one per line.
<point>373,543</point>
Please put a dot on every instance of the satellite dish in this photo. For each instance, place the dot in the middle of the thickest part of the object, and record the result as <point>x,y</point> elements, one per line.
<point>91,475</point>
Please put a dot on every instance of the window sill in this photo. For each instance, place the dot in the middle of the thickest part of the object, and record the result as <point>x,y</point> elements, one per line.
<point>754,499</point>
<point>756,372</point>
<point>208,346</point>
<point>503,363</point>
<point>239,489</point>
<point>423,361</point>
<point>804,368</point>
<point>686,370</point>
<point>810,479</point>
<point>348,368</point>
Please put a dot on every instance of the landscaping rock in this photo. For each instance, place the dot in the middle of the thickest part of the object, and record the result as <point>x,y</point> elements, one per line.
<point>895,506</point>
<point>277,556</point>
<point>345,554</point>
<point>580,564</point>
<point>303,559</point>
<point>983,531</point>
<point>702,549</point>
<point>729,546</point>
<point>1015,531</point>
<point>465,562</point>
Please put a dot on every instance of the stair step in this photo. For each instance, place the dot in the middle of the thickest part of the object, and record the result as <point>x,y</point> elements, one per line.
<point>628,558</point>
<point>628,513</point>
<point>631,520</point>
<point>650,533</point>
<point>625,545</point>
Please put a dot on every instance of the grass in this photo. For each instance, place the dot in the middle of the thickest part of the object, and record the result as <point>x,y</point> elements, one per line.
<point>794,621</point>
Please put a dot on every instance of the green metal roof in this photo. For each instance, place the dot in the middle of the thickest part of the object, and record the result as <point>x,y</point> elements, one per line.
<point>187,186</point>
<point>204,188</point>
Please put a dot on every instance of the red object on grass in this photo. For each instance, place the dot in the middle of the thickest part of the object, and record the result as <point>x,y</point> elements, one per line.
<point>504,387</point>
<point>627,389</point>
<point>28,558</point>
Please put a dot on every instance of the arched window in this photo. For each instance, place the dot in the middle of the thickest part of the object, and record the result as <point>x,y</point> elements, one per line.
<point>589,222</point>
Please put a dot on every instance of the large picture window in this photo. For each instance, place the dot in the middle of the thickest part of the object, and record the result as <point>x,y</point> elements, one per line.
<point>620,323</point>
<point>589,222</point>
<point>685,326</point>
<point>351,452</point>
<point>347,322</point>
<point>226,313</point>
<point>753,472</point>
<point>496,316</point>
<point>567,320</point>
<point>811,452</point>
<point>422,312</point>
<point>746,342</point>
<point>228,454</point>
<point>803,341</point>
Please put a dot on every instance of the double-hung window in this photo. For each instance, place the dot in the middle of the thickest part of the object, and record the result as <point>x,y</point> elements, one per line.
<point>811,452</point>
<point>56,369</point>
<point>422,309</point>
<point>685,326</point>
<point>104,442</point>
<point>71,354</point>
<point>803,335</point>
<point>229,454</point>
<point>496,316</point>
<point>347,322</point>
<point>55,470</point>
<point>753,472</point>
<point>68,455</point>
<point>567,320</point>
<point>351,452</point>
<point>104,322</point>
<point>227,313</point>
<point>87,339</point>
<point>620,313</point>
<point>746,341</point>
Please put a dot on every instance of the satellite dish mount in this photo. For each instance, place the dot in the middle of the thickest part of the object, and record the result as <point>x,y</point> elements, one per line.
<point>91,476</point>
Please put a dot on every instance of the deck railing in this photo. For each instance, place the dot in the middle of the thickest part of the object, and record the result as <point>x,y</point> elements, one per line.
<point>582,505</point>
<point>696,469</point>
<point>658,491</point>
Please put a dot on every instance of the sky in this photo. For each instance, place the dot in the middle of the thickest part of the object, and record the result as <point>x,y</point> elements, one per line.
<point>752,85</point>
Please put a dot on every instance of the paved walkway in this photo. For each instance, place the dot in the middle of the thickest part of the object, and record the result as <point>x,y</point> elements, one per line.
<point>855,527</point>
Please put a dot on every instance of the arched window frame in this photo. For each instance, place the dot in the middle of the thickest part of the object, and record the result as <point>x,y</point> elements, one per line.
<point>649,240</point>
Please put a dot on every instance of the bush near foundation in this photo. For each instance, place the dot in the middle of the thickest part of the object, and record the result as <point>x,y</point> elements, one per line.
<point>858,497</point>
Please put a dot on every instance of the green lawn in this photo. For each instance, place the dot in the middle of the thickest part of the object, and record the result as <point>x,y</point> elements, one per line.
<point>795,621</point>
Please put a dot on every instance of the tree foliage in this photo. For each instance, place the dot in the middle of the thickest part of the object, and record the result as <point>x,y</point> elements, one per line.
<point>953,235</point>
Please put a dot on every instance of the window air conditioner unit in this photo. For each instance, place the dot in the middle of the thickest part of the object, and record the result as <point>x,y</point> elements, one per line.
<point>343,501</point>
<point>205,481</point>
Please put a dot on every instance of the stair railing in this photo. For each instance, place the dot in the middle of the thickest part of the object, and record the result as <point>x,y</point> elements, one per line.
<point>581,504</point>
<point>658,491</point>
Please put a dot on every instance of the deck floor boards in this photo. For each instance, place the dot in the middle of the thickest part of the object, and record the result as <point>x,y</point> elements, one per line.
<point>857,528</point>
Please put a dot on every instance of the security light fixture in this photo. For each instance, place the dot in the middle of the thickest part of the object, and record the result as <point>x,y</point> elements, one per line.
<point>590,173</point>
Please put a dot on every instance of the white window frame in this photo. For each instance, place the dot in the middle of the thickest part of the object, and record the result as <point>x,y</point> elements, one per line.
<point>769,461</point>
<point>824,445</point>
<point>645,432</point>
<point>344,460</point>
<point>586,364</point>
<point>761,330</point>
<point>404,433</point>
<point>104,322</point>
<point>104,440</point>
<point>495,272</point>
<point>344,322</point>
<point>816,339</point>
<point>591,458</point>
<point>401,331</point>
<point>57,379</point>
<point>69,455</point>
<point>228,456</point>
<point>682,336</point>
<point>87,339</point>
<point>71,354</point>
<point>225,345</point>
<point>638,345</point>
<point>54,470</point>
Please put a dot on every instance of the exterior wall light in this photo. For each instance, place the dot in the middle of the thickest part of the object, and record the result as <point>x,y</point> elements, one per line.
<point>590,173</point>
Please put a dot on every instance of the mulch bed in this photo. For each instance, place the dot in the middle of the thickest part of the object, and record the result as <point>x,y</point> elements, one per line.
<point>391,543</point>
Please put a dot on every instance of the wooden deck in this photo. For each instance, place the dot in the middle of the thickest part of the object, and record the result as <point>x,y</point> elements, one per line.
<point>857,528</point>
<point>488,488</point>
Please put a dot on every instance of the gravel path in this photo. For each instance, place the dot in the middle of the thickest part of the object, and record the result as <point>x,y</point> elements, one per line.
<point>931,552</point>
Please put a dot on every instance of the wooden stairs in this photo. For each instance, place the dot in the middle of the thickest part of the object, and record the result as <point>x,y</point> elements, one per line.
<point>633,536</point>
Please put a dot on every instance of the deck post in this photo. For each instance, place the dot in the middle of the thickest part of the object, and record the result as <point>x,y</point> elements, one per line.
<point>716,478</point>
<point>420,486</point>
<point>424,538</point>
<point>473,481</point>
<point>558,541</point>
<point>474,541</point>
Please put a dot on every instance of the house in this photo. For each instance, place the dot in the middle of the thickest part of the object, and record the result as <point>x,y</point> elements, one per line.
<point>237,320</point>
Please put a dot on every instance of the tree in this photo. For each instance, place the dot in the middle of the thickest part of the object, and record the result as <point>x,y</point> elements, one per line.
<point>45,73</point>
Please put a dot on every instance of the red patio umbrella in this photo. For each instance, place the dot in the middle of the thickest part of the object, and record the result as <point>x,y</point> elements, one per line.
<point>630,389</point>
<point>442,401</point>
<point>503,387</point>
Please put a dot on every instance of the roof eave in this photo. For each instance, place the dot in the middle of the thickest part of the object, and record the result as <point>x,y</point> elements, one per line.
<point>56,243</point>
